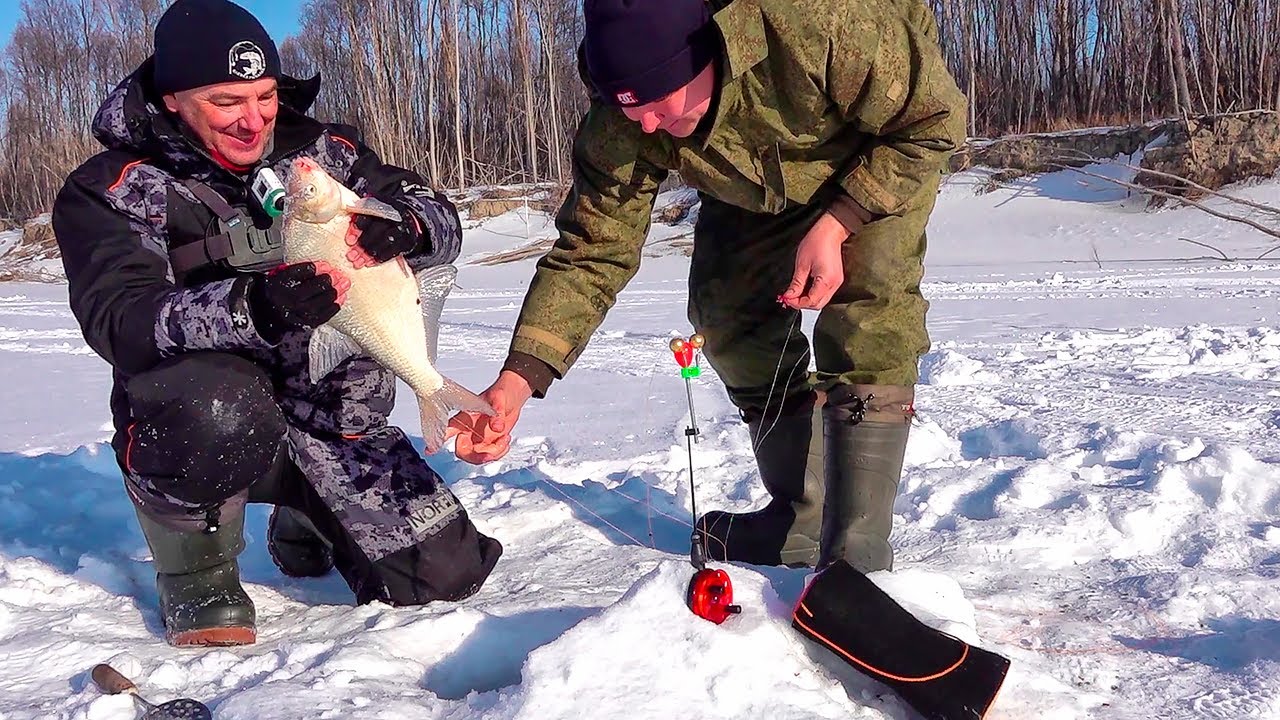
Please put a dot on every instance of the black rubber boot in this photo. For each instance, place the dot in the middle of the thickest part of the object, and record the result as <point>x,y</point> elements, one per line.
<point>296,547</point>
<point>788,453</point>
<point>201,599</point>
<point>865,428</point>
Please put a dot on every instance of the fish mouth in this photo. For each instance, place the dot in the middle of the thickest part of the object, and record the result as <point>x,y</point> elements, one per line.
<point>300,168</point>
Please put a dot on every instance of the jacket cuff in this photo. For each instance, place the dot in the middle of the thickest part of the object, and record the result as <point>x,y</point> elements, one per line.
<point>864,188</point>
<point>849,213</point>
<point>440,230</point>
<point>537,373</point>
<point>546,346</point>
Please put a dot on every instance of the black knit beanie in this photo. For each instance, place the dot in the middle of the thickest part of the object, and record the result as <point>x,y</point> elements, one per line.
<point>204,42</point>
<point>638,51</point>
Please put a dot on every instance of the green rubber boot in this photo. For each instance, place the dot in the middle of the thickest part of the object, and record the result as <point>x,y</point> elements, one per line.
<point>201,599</point>
<point>296,546</point>
<point>865,429</point>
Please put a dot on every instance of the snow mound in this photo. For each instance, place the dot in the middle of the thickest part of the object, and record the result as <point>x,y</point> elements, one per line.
<point>928,444</point>
<point>751,666</point>
<point>1249,353</point>
<point>948,367</point>
<point>1007,438</point>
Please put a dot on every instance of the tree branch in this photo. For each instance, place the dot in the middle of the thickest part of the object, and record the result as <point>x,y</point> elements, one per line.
<point>1178,178</point>
<point>1207,245</point>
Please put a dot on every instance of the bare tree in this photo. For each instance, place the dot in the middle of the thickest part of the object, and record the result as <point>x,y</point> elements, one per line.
<point>486,91</point>
<point>64,56</point>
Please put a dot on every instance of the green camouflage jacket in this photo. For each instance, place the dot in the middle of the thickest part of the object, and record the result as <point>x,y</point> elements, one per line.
<point>816,97</point>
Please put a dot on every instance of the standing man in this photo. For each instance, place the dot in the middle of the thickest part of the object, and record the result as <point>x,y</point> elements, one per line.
<point>174,265</point>
<point>816,134</point>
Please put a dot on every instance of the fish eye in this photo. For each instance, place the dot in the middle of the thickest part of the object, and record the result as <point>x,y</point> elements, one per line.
<point>309,192</point>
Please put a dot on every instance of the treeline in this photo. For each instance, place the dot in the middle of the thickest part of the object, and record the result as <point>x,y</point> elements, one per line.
<point>1032,65</point>
<point>487,91</point>
<point>466,91</point>
<point>63,58</point>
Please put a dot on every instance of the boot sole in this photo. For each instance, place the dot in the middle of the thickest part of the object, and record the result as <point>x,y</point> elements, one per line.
<point>295,570</point>
<point>213,637</point>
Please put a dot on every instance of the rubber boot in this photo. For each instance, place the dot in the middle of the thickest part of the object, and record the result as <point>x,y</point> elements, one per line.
<point>296,546</point>
<point>201,599</point>
<point>788,453</point>
<point>865,430</point>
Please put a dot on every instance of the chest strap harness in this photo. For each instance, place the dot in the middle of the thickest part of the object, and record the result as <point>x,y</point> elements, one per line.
<point>240,243</point>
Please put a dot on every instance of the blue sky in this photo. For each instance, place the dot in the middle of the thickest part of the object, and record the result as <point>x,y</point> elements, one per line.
<point>280,17</point>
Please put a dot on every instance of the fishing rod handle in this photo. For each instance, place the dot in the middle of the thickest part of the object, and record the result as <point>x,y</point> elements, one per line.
<point>110,681</point>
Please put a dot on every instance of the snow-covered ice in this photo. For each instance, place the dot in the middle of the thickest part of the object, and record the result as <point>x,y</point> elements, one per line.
<point>1092,489</point>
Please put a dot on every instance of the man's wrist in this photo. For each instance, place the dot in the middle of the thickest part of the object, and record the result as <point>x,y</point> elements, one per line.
<point>535,372</point>
<point>247,294</point>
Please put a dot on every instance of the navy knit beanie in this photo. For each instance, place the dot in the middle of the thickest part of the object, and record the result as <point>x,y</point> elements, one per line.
<point>638,51</point>
<point>204,42</point>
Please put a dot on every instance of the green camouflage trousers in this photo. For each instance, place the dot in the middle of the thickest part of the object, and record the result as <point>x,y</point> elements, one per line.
<point>871,333</point>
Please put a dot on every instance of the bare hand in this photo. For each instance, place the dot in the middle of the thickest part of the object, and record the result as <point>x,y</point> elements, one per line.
<point>819,266</point>
<point>356,255</point>
<point>484,438</point>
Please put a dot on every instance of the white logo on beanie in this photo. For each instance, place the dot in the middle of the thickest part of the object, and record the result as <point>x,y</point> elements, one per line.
<point>246,61</point>
<point>627,97</point>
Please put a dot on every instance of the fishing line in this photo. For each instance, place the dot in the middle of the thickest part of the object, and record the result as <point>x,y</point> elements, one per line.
<point>761,432</point>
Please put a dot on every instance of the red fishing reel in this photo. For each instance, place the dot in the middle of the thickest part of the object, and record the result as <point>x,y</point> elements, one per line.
<point>711,595</point>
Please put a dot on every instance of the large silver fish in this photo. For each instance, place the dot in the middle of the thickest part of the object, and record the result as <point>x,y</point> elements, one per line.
<point>389,314</point>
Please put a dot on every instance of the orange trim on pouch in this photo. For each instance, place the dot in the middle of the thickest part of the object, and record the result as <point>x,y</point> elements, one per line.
<point>871,668</point>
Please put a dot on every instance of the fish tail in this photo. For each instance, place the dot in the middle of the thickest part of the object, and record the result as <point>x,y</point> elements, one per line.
<point>436,409</point>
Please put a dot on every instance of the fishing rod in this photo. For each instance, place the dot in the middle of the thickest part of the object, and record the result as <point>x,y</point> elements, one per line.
<point>710,594</point>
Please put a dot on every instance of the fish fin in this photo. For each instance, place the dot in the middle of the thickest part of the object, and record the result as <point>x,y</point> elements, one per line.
<point>436,409</point>
<point>376,208</point>
<point>434,284</point>
<point>328,348</point>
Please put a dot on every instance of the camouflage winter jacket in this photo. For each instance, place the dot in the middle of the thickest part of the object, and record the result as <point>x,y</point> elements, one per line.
<point>120,213</point>
<point>817,99</point>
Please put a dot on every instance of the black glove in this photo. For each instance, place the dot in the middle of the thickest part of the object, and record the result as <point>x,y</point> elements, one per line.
<point>290,298</point>
<point>385,239</point>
